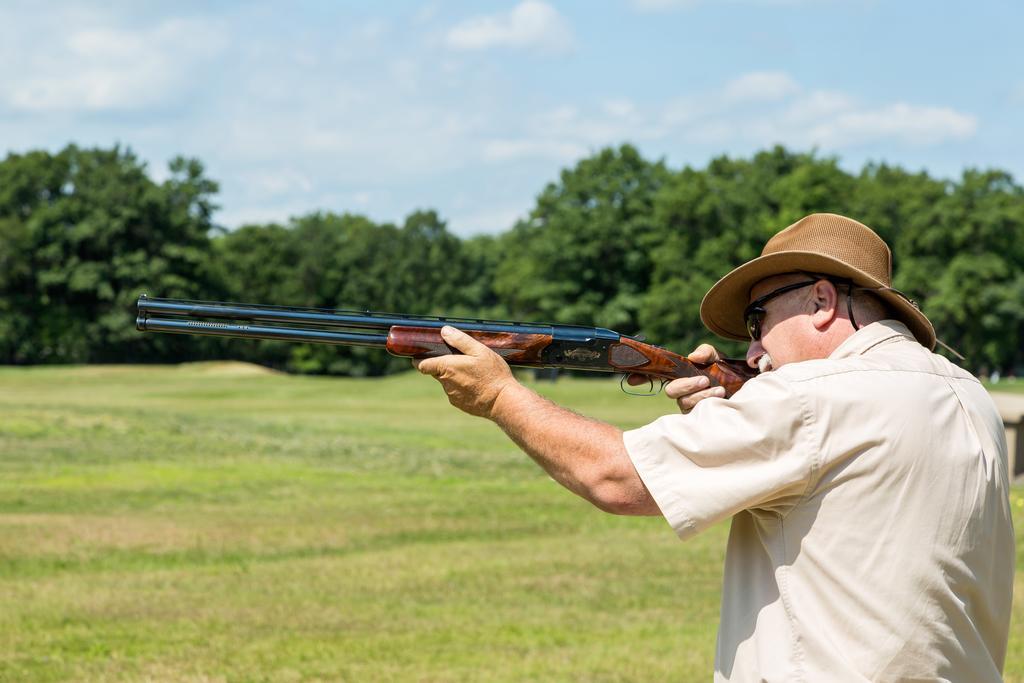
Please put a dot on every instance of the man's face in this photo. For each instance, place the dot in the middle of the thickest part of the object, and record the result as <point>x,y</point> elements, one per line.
<point>781,329</point>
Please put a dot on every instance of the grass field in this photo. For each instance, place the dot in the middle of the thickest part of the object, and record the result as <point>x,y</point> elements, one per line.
<point>1013,386</point>
<point>222,523</point>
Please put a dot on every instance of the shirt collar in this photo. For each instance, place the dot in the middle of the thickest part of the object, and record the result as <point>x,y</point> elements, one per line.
<point>869,336</point>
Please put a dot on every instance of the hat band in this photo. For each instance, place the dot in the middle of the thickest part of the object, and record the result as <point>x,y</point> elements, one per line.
<point>846,280</point>
<point>894,291</point>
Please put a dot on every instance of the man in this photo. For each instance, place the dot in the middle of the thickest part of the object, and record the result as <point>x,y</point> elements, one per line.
<point>866,477</point>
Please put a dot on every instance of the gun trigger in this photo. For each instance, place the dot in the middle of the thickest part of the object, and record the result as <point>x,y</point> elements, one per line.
<point>651,391</point>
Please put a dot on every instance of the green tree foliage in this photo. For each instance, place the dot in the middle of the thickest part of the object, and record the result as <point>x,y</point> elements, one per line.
<point>325,260</point>
<point>481,256</point>
<point>82,233</point>
<point>965,262</point>
<point>617,241</point>
<point>720,217</point>
<point>585,253</point>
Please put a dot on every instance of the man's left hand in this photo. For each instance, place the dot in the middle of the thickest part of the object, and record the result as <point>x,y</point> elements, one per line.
<point>472,381</point>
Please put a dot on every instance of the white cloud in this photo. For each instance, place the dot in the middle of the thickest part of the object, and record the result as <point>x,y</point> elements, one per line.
<point>278,182</point>
<point>260,214</point>
<point>830,119</point>
<point>764,108</point>
<point>558,117</point>
<point>719,133</point>
<point>371,30</point>
<point>680,111</point>
<point>818,105</point>
<point>902,122</point>
<point>279,209</point>
<point>753,110</point>
<point>502,150</point>
<point>620,108</point>
<point>489,220</point>
<point>106,68</point>
<point>529,25</point>
<point>761,86</point>
<point>615,121</point>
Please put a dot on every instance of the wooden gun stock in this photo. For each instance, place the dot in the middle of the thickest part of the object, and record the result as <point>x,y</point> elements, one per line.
<point>627,355</point>
<point>729,373</point>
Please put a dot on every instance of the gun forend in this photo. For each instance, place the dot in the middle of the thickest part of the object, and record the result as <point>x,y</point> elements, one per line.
<point>426,342</point>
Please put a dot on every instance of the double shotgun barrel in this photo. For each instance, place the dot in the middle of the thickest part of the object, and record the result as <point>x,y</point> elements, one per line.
<point>533,345</point>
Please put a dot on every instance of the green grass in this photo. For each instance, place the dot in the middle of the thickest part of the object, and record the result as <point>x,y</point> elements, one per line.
<point>1014,386</point>
<point>214,523</point>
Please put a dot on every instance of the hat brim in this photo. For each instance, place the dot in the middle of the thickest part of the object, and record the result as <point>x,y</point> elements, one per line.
<point>723,305</point>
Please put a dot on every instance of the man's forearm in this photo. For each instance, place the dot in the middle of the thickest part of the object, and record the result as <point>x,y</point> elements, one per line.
<point>586,456</point>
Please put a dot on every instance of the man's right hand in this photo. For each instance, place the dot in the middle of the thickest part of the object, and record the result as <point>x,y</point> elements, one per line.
<point>689,391</point>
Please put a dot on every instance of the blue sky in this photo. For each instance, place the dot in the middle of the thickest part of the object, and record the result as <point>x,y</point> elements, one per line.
<point>472,107</point>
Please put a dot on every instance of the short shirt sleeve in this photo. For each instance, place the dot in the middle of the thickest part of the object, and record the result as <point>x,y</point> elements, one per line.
<point>757,449</point>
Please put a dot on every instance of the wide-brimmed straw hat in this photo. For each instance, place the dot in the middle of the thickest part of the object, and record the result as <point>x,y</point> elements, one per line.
<point>822,243</point>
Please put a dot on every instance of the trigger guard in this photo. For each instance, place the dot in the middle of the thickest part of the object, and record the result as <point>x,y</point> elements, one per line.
<point>650,387</point>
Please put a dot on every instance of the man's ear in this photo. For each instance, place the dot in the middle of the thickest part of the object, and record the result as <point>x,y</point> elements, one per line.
<point>826,304</point>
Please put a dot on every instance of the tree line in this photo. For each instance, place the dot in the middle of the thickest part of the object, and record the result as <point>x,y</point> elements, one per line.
<point>617,240</point>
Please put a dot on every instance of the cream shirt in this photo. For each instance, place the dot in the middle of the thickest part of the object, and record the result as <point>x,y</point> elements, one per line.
<point>871,536</point>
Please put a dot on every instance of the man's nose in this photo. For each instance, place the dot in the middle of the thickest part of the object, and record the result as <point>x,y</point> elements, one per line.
<point>754,351</point>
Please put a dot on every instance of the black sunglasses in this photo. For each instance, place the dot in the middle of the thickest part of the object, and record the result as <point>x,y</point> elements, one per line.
<point>754,313</point>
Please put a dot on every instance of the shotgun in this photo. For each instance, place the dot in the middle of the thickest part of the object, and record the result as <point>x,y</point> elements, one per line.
<point>532,345</point>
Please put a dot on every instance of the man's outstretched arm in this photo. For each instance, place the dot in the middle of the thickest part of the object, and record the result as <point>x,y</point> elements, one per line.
<point>586,456</point>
